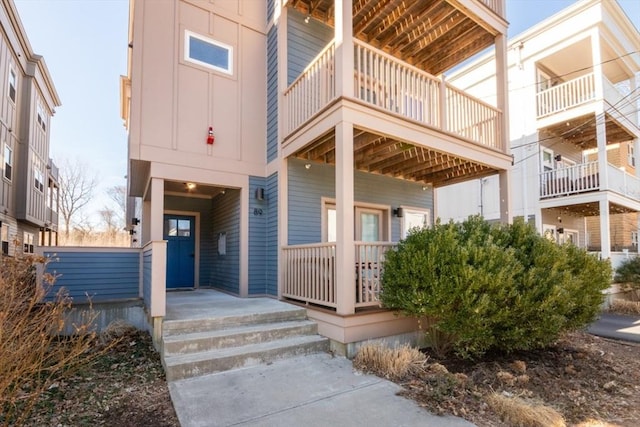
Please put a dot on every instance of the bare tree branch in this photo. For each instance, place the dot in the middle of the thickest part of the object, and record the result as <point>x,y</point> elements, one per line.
<point>76,189</point>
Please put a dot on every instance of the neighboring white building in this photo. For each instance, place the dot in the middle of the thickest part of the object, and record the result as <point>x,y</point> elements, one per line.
<point>572,88</point>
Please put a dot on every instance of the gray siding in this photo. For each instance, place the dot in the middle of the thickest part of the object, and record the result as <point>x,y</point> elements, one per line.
<point>146,278</point>
<point>225,272</point>
<point>304,42</point>
<point>271,196</point>
<point>308,186</point>
<point>271,5</point>
<point>100,276</point>
<point>258,214</point>
<point>272,94</point>
<point>204,208</point>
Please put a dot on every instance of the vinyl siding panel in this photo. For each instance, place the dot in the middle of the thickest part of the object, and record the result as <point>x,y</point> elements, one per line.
<point>271,6</point>
<point>146,277</point>
<point>272,94</point>
<point>258,214</point>
<point>225,272</point>
<point>308,186</point>
<point>98,276</point>
<point>304,42</point>
<point>271,196</point>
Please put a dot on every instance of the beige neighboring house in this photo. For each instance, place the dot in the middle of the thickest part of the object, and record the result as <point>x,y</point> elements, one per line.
<point>279,148</point>
<point>573,93</point>
<point>29,181</point>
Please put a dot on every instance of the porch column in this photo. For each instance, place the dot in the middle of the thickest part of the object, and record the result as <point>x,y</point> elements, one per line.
<point>506,216</point>
<point>605,238</point>
<point>345,247</point>
<point>601,131</point>
<point>502,91</point>
<point>343,14</point>
<point>156,214</point>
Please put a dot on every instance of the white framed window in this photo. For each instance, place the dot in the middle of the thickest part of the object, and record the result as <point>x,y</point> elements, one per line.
<point>4,237</point>
<point>8,161</point>
<point>634,238</point>
<point>414,218</point>
<point>631,156</point>
<point>13,84</point>
<point>38,176</point>
<point>42,117</point>
<point>52,197</point>
<point>547,160</point>
<point>27,241</point>
<point>208,52</point>
<point>370,222</point>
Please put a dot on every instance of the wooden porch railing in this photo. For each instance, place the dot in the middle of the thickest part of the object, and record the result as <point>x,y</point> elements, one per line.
<point>585,177</point>
<point>399,88</point>
<point>496,5</point>
<point>313,89</point>
<point>309,273</point>
<point>566,95</point>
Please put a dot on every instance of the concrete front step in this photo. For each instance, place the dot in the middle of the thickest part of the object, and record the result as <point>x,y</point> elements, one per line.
<point>235,337</point>
<point>187,326</point>
<point>206,362</point>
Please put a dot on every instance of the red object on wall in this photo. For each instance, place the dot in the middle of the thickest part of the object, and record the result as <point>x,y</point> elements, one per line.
<point>210,138</point>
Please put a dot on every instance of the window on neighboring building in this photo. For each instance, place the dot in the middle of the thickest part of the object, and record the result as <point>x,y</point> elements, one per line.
<point>52,197</point>
<point>208,53</point>
<point>28,243</point>
<point>38,177</point>
<point>634,238</point>
<point>631,156</point>
<point>42,117</point>
<point>13,84</point>
<point>4,237</point>
<point>8,161</point>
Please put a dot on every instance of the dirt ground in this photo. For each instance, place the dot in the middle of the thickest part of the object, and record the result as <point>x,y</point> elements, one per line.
<point>582,376</point>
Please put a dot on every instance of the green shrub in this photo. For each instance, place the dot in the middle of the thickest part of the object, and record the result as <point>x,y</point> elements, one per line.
<point>492,287</point>
<point>628,273</point>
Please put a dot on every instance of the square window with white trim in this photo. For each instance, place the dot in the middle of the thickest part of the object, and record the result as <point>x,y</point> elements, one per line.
<point>208,53</point>
<point>414,218</point>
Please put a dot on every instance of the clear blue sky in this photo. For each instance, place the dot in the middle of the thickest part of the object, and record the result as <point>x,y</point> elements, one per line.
<point>84,43</point>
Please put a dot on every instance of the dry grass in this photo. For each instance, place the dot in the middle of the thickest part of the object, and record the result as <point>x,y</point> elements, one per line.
<point>520,413</point>
<point>625,307</point>
<point>33,351</point>
<point>392,363</point>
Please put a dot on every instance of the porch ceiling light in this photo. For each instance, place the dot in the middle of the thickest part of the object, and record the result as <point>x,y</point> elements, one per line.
<point>307,166</point>
<point>190,186</point>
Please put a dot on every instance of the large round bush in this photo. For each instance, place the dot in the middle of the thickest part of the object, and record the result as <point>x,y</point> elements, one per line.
<point>492,287</point>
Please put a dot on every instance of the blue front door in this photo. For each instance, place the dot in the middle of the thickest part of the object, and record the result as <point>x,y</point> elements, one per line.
<point>179,232</point>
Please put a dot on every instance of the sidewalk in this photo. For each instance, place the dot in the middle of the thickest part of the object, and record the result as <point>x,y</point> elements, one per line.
<point>616,326</point>
<point>310,391</point>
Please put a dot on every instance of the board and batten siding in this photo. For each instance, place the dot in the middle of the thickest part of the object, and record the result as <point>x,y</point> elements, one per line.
<point>304,42</point>
<point>307,187</point>
<point>258,214</point>
<point>95,274</point>
<point>190,206</point>
<point>272,94</point>
<point>225,269</point>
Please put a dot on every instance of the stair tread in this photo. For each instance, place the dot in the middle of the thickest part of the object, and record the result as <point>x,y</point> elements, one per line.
<point>240,329</point>
<point>179,359</point>
<point>205,323</point>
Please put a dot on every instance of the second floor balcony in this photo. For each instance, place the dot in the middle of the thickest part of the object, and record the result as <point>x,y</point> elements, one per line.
<point>587,178</point>
<point>386,83</point>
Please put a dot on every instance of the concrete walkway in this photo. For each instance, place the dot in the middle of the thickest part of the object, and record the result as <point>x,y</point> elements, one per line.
<point>617,326</point>
<point>310,391</point>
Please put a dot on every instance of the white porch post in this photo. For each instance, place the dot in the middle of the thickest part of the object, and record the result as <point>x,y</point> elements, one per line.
<point>344,47</point>
<point>345,247</point>
<point>502,90</point>
<point>506,216</point>
<point>601,139</point>
<point>159,256</point>
<point>605,238</point>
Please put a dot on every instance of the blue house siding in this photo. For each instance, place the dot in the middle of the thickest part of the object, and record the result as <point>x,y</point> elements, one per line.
<point>258,214</point>
<point>304,42</point>
<point>271,195</point>
<point>146,277</point>
<point>308,186</point>
<point>271,5</point>
<point>272,94</point>
<point>204,208</point>
<point>98,276</point>
<point>225,271</point>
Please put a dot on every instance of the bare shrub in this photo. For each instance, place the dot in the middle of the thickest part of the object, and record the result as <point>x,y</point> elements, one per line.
<point>33,351</point>
<point>392,363</point>
<point>517,412</point>
<point>621,306</point>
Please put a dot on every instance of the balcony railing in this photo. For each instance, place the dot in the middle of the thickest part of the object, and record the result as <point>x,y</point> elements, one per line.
<point>309,273</point>
<point>584,178</point>
<point>387,83</point>
<point>495,5</point>
<point>566,95</point>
